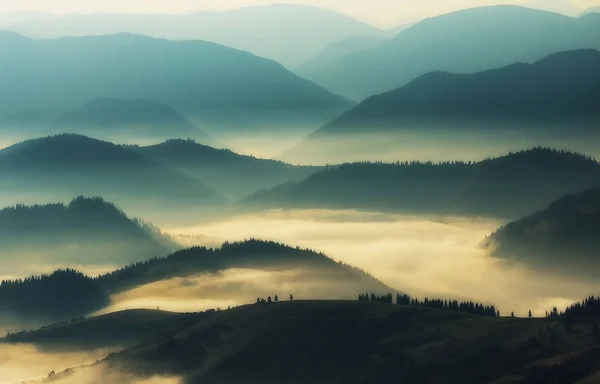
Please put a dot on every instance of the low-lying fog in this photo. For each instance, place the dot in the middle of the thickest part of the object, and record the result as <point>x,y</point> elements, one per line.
<point>417,255</point>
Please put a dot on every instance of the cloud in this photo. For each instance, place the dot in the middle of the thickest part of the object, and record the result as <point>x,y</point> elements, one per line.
<point>418,255</point>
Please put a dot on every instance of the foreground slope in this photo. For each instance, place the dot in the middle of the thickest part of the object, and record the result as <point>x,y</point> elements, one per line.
<point>556,97</point>
<point>563,237</point>
<point>86,231</point>
<point>265,31</point>
<point>465,41</point>
<point>60,167</point>
<point>509,186</point>
<point>232,175</point>
<point>196,78</point>
<point>129,119</point>
<point>361,342</point>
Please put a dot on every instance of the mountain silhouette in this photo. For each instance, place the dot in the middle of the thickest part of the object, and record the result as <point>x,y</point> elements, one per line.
<point>557,95</point>
<point>86,231</point>
<point>66,165</point>
<point>465,41</point>
<point>62,294</point>
<point>133,118</point>
<point>232,175</point>
<point>506,187</point>
<point>265,31</point>
<point>196,78</point>
<point>563,238</point>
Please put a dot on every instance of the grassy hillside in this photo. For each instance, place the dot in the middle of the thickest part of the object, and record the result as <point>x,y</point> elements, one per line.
<point>365,342</point>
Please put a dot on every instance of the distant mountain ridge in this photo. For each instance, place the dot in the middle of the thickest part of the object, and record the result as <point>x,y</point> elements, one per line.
<point>506,187</point>
<point>232,175</point>
<point>263,30</point>
<point>462,42</point>
<point>196,78</point>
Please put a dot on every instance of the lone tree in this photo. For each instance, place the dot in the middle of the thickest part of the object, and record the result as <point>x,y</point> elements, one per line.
<point>512,314</point>
<point>291,297</point>
<point>276,298</point>
<point>530,313</point>
<point>269,299</point>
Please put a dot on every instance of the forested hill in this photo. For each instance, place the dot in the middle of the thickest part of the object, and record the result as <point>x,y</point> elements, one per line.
<point>510,186</point>
<point>563,238</point>
<point>19,298</point>
<point>84,231</point>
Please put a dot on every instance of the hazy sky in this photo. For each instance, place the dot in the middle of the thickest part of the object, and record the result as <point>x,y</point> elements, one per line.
<point>377,11</point>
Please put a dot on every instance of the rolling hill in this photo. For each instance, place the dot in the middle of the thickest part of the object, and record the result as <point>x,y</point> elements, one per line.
<point>199,79</point>
<point>563,237</point>
<point>466,41</point>
<point>554,96</point>
<point>60,167</point>
<point>65,294</point>
<point>590,10</point>
<point>265,31</point>
<point>360,342</point>
<point>232,175</point>
<point>507,187</point>
<point>87,231</point>
<point>129,119</point>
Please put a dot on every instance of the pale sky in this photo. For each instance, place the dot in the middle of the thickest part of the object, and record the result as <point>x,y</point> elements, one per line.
<point>374,11</point>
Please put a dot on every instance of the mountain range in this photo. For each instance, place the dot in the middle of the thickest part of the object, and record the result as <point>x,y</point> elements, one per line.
<point>561,239</point>
<point>556,96</point>
<point>463,42</point>
<point>201,80</point>
<point>266,31</point>
<point>510,186</point>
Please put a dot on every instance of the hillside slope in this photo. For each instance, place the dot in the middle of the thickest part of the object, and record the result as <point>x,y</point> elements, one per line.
<point>362,342</point>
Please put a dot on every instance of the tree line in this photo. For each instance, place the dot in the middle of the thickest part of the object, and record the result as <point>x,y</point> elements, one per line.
<point>453,305</point>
